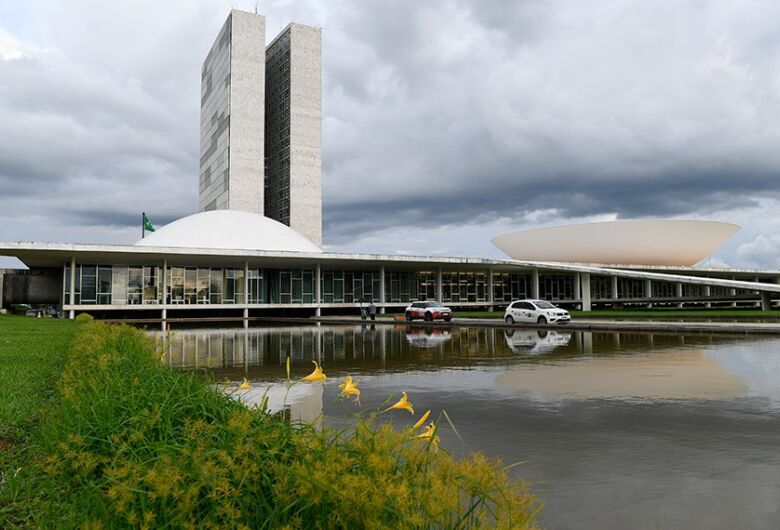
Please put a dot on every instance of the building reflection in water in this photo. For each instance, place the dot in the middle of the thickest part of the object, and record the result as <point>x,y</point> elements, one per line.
<point>259,353</point>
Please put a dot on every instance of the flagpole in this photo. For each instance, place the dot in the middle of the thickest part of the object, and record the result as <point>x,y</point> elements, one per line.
<point>143,228</point>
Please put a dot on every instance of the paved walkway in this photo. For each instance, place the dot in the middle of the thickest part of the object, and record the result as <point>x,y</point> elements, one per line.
<point>581,325</point>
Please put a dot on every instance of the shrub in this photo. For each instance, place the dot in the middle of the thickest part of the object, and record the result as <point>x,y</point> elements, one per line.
<point>137,443</point>
<point>83,318</point>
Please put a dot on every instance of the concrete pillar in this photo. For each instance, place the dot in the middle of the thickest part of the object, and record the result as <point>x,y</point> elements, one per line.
<point>766,301</point>
<point>535,283</point>
<point>491,307</point>
<point>318,290</point>
<point>72,300</point>
<point>439,286</point>
<point>164,288</point>
<point>584,280</point>
<point>246,295</point>
<point>382,297</point>
<point>614,290</point>
<point>649,291</point>
<point>678,292</point>
<point>733,293</point>
<point>164,319</point>
<point>577,289</point>
<point>2,275</point>
<point>707,294</point>
<point>246,318</point>
<point>760,303</point>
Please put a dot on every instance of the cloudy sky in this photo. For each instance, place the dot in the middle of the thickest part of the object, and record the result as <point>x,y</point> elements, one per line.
<point>446,122</point>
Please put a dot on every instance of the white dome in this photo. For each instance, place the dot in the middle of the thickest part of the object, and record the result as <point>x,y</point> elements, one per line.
<point>229,229</point>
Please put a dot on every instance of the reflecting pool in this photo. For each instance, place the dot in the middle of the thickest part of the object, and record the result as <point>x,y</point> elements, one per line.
<point>614,430</point>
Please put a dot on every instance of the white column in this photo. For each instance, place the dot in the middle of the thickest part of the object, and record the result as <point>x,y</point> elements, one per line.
<point>707,294</point>
<point>614,292</point>
<point>649,291</point>
<point>72,300</point>
<point>318,290</point>
<point>678,292</point>
<point>584,280</point>
<point>766,301</point>
<point>491,307</point>
<point>246,295</point>
<point>535,283</point>
<point>164,288</point>
<point>577,293</point>
<point>382,297</point>
<point>438,285</point>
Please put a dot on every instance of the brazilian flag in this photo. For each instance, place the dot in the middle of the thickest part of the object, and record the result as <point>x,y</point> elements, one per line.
<point>147,224</point>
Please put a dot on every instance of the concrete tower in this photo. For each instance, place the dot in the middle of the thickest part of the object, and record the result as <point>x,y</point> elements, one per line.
<point>232,117</point>
<point>293,130</point>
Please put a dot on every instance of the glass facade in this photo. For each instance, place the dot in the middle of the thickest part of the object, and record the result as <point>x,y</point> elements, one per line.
<point>600,287</point>
<point>508,287</point>
<point>98,284</point>
<point>556,287</point>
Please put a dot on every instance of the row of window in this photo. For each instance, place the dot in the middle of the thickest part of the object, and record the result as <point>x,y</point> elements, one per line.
<point>133,285</point>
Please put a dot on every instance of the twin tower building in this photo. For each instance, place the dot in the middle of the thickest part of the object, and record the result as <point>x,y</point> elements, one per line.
<point>261,123</point>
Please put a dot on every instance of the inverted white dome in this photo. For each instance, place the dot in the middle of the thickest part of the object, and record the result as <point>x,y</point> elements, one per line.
<point>231,230</point>
<point>672,242</point>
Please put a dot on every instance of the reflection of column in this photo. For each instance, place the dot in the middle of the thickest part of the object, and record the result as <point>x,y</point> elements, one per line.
<point>587,343</point>
<point>535,283</point>
<point>383,331</point>
<point>490,290</point>
<point>246,350</point>
<point>616,340</point>
<point>318,290</point>
<point>72,287</point>
<point>585,286</point>
<point>318,343</point>
<point>382,297</point>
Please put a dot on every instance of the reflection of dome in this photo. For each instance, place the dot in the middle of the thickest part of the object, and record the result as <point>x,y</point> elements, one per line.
<point>637,242</point>
<point>229,229</point>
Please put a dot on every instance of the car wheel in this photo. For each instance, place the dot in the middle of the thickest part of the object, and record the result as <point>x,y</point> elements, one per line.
<point>447,319</point>
<point>541,320</point>
<point>428,317</point>
<point>510,320</point>
<point>408,316</point>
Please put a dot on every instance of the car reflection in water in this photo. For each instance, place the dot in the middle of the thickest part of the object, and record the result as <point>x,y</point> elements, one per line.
<point>535,342</point>
<point>427,337</point>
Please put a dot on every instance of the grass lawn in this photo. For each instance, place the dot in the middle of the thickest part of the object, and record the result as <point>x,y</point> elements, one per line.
<point>99,433</point>
<point>32,355</point>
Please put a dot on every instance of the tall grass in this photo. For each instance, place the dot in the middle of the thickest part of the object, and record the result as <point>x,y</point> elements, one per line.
<point>132,442</point>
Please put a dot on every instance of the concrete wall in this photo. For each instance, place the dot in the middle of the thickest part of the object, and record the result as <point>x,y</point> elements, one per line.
<point>247,113</point>
<point>294,130</point>
<point>232,117</point>
<point>306,131</point>
<point>34,286</point>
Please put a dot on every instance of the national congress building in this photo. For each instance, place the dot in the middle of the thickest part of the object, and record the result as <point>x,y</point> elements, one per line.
<point>255,246</point>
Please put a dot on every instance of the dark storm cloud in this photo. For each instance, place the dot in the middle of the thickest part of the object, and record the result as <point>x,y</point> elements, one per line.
<point>447,112</point>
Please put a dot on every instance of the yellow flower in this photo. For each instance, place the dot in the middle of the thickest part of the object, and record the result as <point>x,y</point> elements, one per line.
<point>402,404</point>
<point>316,375</point>
<point>245,385</point>
<point>350,388</point>
<point>429,435</point>
<point>421,421</point>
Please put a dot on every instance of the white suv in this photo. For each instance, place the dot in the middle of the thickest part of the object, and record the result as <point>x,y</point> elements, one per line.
<point>428,311</point>
<point>537,311</point>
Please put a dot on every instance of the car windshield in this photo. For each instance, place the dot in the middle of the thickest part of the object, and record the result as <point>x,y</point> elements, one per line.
<point>541,304</point>
<point>432,304</point>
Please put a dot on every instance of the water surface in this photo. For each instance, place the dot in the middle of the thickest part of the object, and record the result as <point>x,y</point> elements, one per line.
<point>616,430</point>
